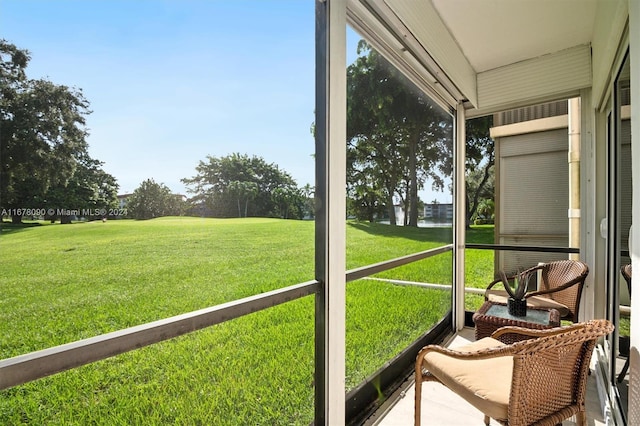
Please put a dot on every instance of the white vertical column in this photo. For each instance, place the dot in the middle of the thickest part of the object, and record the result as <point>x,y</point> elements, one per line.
<point>575,120</point>
<point>592,245</point>
<point>330,210</point>
<point>460,223</point>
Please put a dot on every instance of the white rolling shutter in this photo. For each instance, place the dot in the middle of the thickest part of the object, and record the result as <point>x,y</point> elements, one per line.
<point>533,195</point>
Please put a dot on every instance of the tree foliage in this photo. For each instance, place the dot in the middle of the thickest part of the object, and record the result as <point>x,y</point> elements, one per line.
<point>289,202</point>
<point>89,188</point>
<point>238,185</point>
<point>152,200</point>
<point>396,139</point>
<point>308,201</point>
<point>43,150</point>
<point>479,164</point>
<point>243,192</point>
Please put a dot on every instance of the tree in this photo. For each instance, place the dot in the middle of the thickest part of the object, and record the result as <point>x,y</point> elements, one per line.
<point>290,202</point>
<point>366,196</point>
<point>43,133</point>
<point>221,185</point>
<point>308,200</point>
<point>479,173</point>
<point>485,212</point>
<point>396,137</point>
<point>89,189</point>
<point>152,200</point>
<point>243,191</point>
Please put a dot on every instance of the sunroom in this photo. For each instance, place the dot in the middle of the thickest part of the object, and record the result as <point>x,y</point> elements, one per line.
<point>471,59</point>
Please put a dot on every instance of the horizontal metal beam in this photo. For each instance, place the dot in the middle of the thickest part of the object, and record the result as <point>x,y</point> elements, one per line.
<point>35,365</point>
<point>540,249</point>
<point>365,271</point>
<point>444,287</point>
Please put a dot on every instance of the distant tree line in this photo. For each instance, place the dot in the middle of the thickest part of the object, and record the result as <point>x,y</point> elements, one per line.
<point>238,185</point>
<point>235,185</point>
<point>151,200</point>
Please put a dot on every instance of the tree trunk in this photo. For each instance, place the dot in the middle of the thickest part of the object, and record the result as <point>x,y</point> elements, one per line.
<point>472,206</point>
<point>16,219</point>
<point>404,202</point>
<point>405,220</point>
<point>392,211</point>
<point>65,219</point>
<point>413,182</point>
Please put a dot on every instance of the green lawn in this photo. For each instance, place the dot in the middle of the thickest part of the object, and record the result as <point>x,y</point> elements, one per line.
<point>479,264</point>
<point>66,282</point>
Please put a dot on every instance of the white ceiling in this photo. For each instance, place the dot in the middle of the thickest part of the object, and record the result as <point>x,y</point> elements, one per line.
<point>494,33</point>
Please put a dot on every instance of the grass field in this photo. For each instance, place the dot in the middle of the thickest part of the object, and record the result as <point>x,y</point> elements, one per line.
<point>63,283</point>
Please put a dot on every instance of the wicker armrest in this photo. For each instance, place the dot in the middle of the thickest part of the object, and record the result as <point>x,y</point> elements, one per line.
<point>555,289</point>
<point>523,331</point>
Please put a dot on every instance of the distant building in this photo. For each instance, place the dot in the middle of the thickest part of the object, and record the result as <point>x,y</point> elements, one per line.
<point>438,211</point>
<point>122,200</point>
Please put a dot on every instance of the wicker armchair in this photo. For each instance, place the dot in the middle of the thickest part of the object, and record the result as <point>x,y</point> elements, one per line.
<point>541,380</point>
<point>559,288</point>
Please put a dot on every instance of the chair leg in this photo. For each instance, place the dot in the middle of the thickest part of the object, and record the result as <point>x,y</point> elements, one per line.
<point>487,420</point>
<point>416,409</point>
<point>581,418</point>
<point>624,371</point>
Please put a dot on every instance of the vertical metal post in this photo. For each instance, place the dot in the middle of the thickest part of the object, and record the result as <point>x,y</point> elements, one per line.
<point>634,55</point>
<point>330,134</point>
<point>613,229</point>
<point>460,222</point>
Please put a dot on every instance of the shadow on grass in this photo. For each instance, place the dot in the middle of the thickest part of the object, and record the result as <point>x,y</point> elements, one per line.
<point>7,228</point>
<point>435,234</point>
<point>481,234</point>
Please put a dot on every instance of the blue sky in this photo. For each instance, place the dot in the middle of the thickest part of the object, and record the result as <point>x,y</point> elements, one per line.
<point>172,81</point>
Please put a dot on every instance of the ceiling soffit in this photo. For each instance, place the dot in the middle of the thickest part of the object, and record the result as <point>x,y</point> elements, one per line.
<point>457,46</point>
<point>495,33</point>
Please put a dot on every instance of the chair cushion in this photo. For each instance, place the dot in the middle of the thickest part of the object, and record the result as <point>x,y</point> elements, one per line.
<point>500,296</point>
<point>484,383</point>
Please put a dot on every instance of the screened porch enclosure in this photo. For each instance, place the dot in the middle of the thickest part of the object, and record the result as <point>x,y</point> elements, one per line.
<point>506,64</point>
<point>455,74</point>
